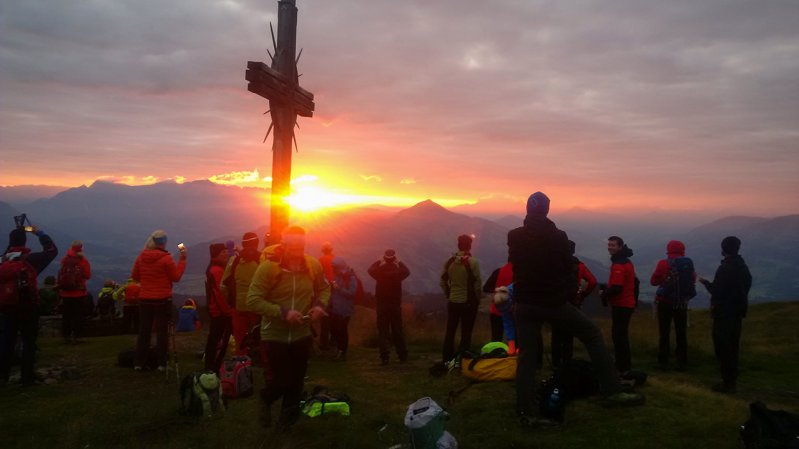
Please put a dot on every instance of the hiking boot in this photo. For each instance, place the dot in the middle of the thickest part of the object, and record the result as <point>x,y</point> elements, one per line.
<point>137,368</point>
<point>624,398</point>
<point>724,388</point>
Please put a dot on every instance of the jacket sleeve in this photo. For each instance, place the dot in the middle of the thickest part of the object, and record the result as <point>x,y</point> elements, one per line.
<point>135,273</point>
<point>660,274</point>
<point>86,267</point>
<point>42,259</point>
<point>373,271</point>
<point>444,283</point>
<point>260,289</point>
<point>223,283</point>
<point>349,290</point>
<point>221,301</point>
<point>404,272</point>
<point>585,274</point>
<point>175,272</point>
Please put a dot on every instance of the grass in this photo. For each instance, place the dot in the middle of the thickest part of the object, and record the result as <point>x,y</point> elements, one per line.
<point>112,407</point>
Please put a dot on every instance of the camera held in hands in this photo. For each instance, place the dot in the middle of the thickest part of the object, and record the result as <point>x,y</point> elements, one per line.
<point>20,220</point>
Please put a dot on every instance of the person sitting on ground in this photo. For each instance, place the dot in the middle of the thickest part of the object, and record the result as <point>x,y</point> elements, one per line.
<point>503,300</point>
<point>128,294</point>
<point>105,299</point>
<point>344,287</point>
<point>188,318</point>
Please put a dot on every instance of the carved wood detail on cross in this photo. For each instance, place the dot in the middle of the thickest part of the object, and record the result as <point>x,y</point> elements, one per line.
<point>279,83</point>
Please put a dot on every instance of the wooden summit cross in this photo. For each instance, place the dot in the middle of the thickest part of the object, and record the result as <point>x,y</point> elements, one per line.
<point>280,85</point>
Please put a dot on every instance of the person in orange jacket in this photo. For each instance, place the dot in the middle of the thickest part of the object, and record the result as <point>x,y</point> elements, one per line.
<point>620,294</point>
<point>155,271</point>
<point>72,276</point>
<point>220,310</point>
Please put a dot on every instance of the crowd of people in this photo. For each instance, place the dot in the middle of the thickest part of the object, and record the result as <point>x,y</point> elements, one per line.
<point>284,297</point>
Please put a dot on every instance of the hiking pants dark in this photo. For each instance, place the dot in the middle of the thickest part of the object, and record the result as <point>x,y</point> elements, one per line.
<point>497,330</point>
<point>726,342</point>
<point>219,331</point>
<point>568,318</point>
<point>325,332</point>
<point>620,330</point>
<point>562,347</point>
<point>288,363</point>
<point>463,313</point>
<point>666,314</point>
<point>130,319</point>
<point>389,329</point>
<point>152,314</point>
<point>339,332</point>
<point>27,326</point>
<point>72,316</point>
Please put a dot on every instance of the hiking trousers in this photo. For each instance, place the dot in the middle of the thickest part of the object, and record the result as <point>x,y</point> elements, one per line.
<point>567,318</point>
<point>463,313</point>
<point>26,325</point>
<point>339,330</point>
<point>726,343</point>
<point>620,331</point>
<point>152,314</point>
<point>288,363</point>
<point>679,315</point>
<point>218,338</point>
<point>243,322</point>
<point>389,329</point>
<point>72,316</point>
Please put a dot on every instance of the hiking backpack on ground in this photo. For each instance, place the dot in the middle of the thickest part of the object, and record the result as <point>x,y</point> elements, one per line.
<point>70,275</point>
<point>574,379</point>
<point>236,377</point>
<point>492,364</point>
<point>201,395</point>
<point>770,429</point>
<point>17,280</point>
<point>425,422</point>
<point>322,402</point>
<point>679,285</point>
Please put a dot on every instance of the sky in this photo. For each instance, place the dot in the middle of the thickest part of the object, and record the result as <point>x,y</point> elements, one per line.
<point>625,105</point>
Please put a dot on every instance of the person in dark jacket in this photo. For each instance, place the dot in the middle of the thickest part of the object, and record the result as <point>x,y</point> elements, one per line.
<point>729,299</point>
<point>23,319</point>
<point>619,292</point>
<point>389,272</point>
<point>544,283</point>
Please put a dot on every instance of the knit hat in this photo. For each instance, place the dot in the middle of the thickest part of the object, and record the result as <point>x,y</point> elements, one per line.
<point>389,255</point>
<point>538,204</point>
<point>464,242</point>
<point>157,238</point>
<point>215,249</point>
<point>675,248</point>
<point>249,240</point>
<point>17,237</point>
<point>731,245</point>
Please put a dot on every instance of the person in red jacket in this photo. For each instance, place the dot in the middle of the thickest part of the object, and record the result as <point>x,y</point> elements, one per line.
<point>72,276</point>
<point>620,294</point>
<point>218,307</point>
<point>155,271</point>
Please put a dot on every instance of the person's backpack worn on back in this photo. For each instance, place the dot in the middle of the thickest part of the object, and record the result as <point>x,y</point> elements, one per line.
<point>70,275</point>
<point>236,377</point>
<point>17,280</point>
<point>105,303</point>
<point>201,395</point>
<point>679,286</point>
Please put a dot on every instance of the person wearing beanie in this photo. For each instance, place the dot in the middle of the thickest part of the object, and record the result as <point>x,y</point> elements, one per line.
<point>544,284</point>
<point>235,283</point>
<point>729,300</point>
<point>219,308</point>
<point>620,293</point>
<point>462,284</point>
<point>72,276</point>
<point>21,318</point>
<point>326,259</point>
<point>155,271</point>
<point>675,279</point>
<point>289,295</point>
<point>342,304</point>
<point>389,272</point>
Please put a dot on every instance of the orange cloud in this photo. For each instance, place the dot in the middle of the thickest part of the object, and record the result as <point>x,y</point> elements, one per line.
<point>236,177</point>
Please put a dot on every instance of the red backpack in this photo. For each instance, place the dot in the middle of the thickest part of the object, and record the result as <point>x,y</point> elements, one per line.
<point>70,275</point>
<point>17,280</point>
<point>236,377</point>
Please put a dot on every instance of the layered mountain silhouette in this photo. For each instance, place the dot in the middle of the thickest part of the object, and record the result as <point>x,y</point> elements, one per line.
<point>114,220</point>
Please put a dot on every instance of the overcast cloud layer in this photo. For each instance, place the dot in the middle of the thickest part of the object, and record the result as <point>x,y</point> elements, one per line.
<point>685,105</point>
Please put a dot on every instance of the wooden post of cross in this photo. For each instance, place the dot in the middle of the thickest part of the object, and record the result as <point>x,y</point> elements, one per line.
<point>280,85</point>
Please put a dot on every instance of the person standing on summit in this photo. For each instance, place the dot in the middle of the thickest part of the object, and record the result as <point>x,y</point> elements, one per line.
<point>75,270</point>
<point>462,285</point>
<point>389,272</point>
<point>620,293</point>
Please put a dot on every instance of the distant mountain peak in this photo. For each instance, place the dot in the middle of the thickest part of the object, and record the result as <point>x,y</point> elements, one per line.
<point>427,207</point>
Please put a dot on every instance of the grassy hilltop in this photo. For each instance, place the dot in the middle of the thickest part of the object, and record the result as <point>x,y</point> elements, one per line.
<point>115,407</point>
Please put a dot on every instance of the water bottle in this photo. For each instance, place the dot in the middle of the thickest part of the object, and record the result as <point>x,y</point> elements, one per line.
<point>555,405</point>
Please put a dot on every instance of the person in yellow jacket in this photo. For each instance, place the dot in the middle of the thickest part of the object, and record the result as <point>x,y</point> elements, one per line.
<point>289,294</point>
<point>235,284</point>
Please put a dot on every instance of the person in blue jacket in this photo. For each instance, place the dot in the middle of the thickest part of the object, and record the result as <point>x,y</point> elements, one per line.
<point>344,288</point>
<point>188,318</point>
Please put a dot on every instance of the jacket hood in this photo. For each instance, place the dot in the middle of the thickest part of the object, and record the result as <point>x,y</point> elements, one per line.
<point>152,255</point>
<point>18,249</point>
<point>675,248</point>
<point>72,253</point>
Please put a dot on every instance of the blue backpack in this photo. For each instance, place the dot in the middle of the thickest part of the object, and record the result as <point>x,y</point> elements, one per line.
<point>679,285</point>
